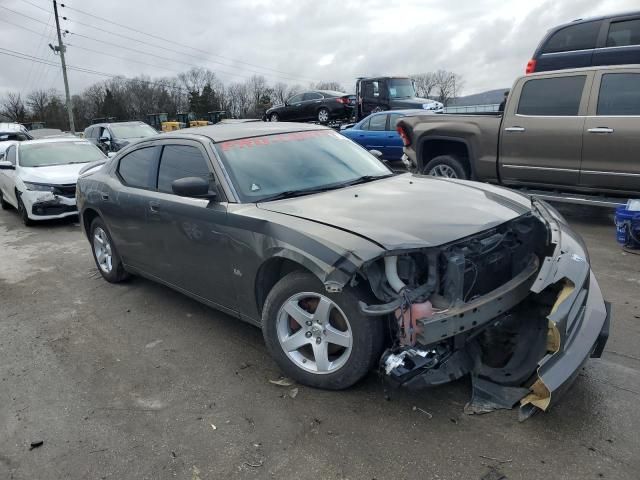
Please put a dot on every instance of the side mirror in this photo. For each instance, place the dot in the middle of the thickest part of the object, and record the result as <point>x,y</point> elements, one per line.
<point>7,165</point>
<point>104,140</point>
<point>376,153</point>
<point>192,187</point>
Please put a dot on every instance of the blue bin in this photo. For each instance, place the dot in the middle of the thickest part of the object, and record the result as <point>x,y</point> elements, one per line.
<point>627,227</point>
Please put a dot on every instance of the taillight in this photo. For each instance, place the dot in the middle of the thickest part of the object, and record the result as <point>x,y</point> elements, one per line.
<point>531,66</point>
<point>342,100</point>
<point>403,135</point>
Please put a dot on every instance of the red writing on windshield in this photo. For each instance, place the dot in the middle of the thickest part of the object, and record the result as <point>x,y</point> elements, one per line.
<point>272,139</point>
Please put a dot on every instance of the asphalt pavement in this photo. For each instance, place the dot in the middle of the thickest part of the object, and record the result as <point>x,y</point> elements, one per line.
<point>136,381</point>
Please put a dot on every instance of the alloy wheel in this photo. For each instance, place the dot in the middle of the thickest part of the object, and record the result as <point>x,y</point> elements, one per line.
<point>102,249</point>
<point>314,333</point>
<point>274,117</point>
<point>323,115</point>
<point>443,170</point>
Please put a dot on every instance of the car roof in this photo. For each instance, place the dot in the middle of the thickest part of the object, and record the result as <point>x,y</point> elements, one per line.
<point>106,124</point>
<point>55,140</point>
<point>595,19</point>
<point>331,92</point>
<point>7,127</point>
<point>221,132</point>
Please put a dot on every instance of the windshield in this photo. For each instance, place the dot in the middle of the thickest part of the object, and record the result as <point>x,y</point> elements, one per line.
<point>401,88</point>
<point>58,153</point>
<point>132,131</point>
<point>262,167</point>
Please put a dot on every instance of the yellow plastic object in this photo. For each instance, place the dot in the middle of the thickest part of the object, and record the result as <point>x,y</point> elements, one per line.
<point>171,126</point>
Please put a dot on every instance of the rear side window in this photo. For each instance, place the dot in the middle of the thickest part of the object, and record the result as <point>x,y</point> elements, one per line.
<point>558,96</point>
<point>394,118</point>
<point>619,94</point>
<point>624,33</point>
<point>11,154</point>
<point>180,161</point>
<point>378,122</point>
<point>137,169</point>
<point>575,37</point>
<point>312,96</point>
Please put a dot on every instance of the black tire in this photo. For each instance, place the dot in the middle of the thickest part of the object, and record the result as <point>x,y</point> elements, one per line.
<point>117,273</point>
<point>367,333</point>
<point>446,162</point>
<point>274,117</point>
<point>22,211</point>
<point>3,203</point>
<point>323,115</point>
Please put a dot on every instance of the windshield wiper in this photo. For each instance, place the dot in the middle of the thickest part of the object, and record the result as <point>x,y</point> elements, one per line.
<point>368,178</point>
<point>300,193</point>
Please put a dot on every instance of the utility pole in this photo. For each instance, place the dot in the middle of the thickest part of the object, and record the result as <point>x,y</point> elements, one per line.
<point>60,49</point>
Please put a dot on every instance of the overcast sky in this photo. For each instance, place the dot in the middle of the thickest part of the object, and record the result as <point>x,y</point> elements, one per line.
<point>488,42</point>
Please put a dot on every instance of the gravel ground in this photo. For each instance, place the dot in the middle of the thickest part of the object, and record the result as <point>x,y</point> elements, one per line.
<point>136,381</point>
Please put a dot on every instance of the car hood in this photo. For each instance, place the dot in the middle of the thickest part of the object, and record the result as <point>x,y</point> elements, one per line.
<point>54,175</point>
<point>408,211</point>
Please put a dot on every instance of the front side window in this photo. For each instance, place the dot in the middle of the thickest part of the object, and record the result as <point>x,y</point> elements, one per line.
<point>262,167</point>
<point>137,169</point>
<point>11,154</point>
<point>624,33</point>
<point>378,123</point>
<point>180,161</point>
<point>296,98</point>
<point>58,153</point>
<point>619,94</point>
<point>558,96</point>
<point>365,124</point>
<point>582,36</point>
<point>141,130</point>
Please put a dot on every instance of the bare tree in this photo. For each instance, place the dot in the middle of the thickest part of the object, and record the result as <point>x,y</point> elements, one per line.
<point>13,108</point>
<point>425,84</point>
<point>328,86</point>
<point>448,85</point>
<point>37,102</point>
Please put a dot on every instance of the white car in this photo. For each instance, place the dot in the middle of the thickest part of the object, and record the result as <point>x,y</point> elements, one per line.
<point>38,177</point>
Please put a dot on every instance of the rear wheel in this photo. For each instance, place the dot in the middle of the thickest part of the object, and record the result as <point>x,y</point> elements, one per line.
<point>446,166</point>
<point>105,254</point>
<point>318,338</point>
<point>274,117</point>
<point>323,115</point>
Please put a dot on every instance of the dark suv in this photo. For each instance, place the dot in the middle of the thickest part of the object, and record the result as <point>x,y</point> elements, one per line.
<point>111,137</point>
<point>610,40</point>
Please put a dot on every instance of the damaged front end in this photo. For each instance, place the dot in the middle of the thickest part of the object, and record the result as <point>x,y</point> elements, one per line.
<point>516,307</point>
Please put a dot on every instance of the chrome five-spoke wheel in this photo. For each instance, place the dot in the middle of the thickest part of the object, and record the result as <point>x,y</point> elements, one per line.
<point>314,333</point>
<point>102,249</point>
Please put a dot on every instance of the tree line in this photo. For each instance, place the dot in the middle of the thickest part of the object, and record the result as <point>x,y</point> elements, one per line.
<point>198,90</point>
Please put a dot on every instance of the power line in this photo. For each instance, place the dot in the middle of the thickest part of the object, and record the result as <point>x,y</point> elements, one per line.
<point>23,14</point>
<point>37,6</point>
<point>182,45</point>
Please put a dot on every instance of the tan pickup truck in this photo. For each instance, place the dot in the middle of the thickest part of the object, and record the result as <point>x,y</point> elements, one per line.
<point>570,131</point>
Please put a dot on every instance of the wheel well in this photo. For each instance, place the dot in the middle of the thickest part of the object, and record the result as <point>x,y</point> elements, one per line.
<point>87,218</point>
<point>434,148</point>
<point>270,273</point>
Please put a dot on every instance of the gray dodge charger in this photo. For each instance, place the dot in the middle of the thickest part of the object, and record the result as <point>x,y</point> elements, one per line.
<point>348,267</point>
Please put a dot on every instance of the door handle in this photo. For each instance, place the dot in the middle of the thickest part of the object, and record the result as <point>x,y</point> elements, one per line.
<point>105,196</point>
<point>154,207</point>
<point>600,130</point>
<point>514,129</point>
<point>318,101</point>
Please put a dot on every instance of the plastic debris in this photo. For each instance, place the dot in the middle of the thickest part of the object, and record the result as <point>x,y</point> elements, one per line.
<point>282,382</point>
<point>36,444</point>
<point>214,427</point>
<point>293,392</point>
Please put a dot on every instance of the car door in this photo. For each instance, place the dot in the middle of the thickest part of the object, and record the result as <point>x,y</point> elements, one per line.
<point>393,144</point>
<point>195,249</point>
<point>292,111</point>
<point>620,42</point>
<point>611,142</point>
<point>311,103</point>
<point>376,136</point>
<point>126,206</point>
<point>8,177</point>
<point>541,137</point>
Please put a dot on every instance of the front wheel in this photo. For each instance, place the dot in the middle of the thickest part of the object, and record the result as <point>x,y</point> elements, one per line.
<point>318,338</point>
<point>446,166</point>
<point>105,254</point>
<point>3,203</point>
<point>274,117</point>
<point>22,211</point>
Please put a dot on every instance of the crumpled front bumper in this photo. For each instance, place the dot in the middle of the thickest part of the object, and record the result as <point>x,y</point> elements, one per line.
<point>46,205</point>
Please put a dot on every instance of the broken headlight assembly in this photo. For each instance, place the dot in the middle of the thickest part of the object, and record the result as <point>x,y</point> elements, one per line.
<point>38,187</point>
<point>498,305</point>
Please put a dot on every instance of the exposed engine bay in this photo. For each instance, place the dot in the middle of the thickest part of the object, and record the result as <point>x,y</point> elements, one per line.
<point>467,308</point>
